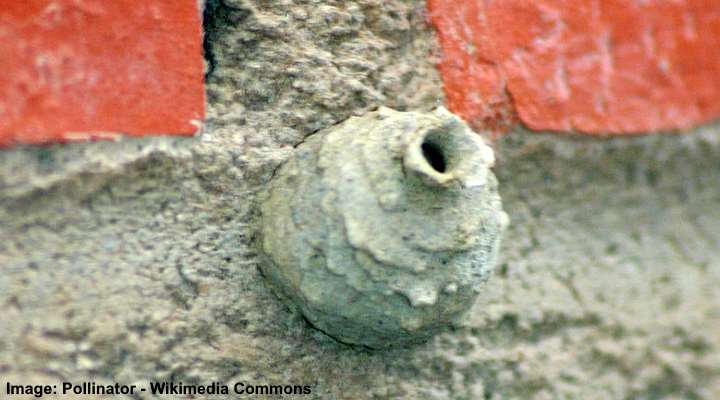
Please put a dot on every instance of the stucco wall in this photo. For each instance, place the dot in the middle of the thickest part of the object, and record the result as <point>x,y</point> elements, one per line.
<point>131,261</point>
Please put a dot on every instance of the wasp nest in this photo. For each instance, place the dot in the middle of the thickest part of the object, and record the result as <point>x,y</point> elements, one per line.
<point>382,230</point>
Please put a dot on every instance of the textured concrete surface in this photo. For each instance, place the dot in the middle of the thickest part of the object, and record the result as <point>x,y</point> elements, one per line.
<point>131,261</point>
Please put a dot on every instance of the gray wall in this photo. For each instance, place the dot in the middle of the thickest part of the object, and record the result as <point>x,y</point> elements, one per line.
<point>131,261</point>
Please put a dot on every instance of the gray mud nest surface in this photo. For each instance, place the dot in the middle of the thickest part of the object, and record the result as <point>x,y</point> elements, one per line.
<point>382,230</point>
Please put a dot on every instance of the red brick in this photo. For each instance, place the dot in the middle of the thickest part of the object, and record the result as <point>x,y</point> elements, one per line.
<point>615,66</point>
<point>86,69</point>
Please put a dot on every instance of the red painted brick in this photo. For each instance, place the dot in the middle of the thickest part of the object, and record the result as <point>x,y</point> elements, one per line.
<point>596,66</point>
<point>87,69</point>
